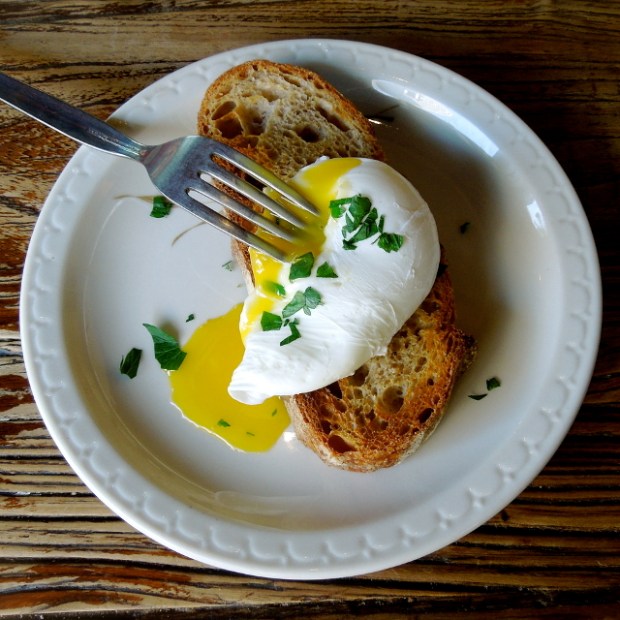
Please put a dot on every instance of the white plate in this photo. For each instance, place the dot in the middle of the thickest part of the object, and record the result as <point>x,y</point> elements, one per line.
<point>527,284</point>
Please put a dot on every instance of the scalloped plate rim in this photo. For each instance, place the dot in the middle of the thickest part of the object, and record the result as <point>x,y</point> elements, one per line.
<point>326,561</point>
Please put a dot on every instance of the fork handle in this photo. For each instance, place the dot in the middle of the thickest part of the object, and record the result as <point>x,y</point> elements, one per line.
<point>66,119</point>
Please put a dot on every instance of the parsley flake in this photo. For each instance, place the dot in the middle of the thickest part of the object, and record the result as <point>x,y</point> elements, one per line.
<point>390,242</point>
<point>270,321</point>
<point>294,334</point>
<point>326,271</point>
<point>161,207</point>
<point>167,350</point>
<point>493,383</point>
<point>228,265</point>
<point>362,221</point>
<point>295,305</point>
<point>223,423</point>
<point>337,208</point>
<point>190,317</point>
<point>275,288</point>
<point>130,362</point>
<point>302,266</point>
<point>306,301</point>
<point>478,396</point>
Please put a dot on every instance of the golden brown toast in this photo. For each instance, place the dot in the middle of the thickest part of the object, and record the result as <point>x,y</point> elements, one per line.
<point>286,117</point>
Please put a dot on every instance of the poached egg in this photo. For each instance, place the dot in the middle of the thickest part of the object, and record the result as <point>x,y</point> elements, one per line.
<point>302,333</point>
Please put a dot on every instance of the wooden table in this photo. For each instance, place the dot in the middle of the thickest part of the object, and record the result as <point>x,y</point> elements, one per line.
<point>554,551</point>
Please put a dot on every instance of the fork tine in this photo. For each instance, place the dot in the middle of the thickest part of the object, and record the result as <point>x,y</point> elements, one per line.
<point>229,227</point>
<point>254,194</point>
<point>262,175</point>
<point>204,188</point>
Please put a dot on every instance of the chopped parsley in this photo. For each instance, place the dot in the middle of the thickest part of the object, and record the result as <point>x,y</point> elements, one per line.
<point>302,266</point>
<point>161,207</point>
<point>275,288</point>
<point>337,208</point>
<point>292,325</point>
<point>130,362</point>
<point>190,317</point>
<point>223,423</point>
<point>492,384</point>
<point>326,271</point>
<point>390,242</point>
<point>228,265</point>
<point>167,350</point>
<point>478,396</point>
<point>270,322</point>
<point>306,301</point>
<point>362,221</point>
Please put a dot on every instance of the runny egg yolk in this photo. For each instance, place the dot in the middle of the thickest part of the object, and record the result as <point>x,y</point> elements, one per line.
<point>200,389</point>
<point>318,184</point>
<point>215,349</point>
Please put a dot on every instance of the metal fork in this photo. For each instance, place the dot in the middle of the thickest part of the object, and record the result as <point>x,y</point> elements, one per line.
<point>181,169</point>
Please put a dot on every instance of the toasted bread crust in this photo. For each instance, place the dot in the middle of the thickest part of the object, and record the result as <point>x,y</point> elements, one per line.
<point>384,411</point>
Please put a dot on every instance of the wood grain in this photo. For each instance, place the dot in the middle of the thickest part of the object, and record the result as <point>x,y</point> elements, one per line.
<point>554,552</point>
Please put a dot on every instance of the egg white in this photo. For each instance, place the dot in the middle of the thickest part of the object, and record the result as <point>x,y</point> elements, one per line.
<point>361,310</point>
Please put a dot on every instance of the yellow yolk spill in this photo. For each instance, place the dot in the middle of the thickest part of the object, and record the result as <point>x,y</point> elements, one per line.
<point>318,185</point>
<point>200,389</point>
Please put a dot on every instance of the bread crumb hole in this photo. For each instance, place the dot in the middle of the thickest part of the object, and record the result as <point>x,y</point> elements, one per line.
<point>426,414</point>
<point>270,153</point>
<point>420,364</point>
<point>334,390</point>
<point>429,306</point>
<point>392,399</point>
<point>339,445</point>
<point>308,134</point>
<point>333,119</point>
<point>359,376</point>
<point>291,79</point>
<point>230,127</point>
<point>380,423</point>
<point>224,109</point>
<point>269,95</point>
<point>253,120</point>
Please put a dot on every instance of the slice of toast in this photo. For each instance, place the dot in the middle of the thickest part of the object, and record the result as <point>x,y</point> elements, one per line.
<point>286,117</point>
